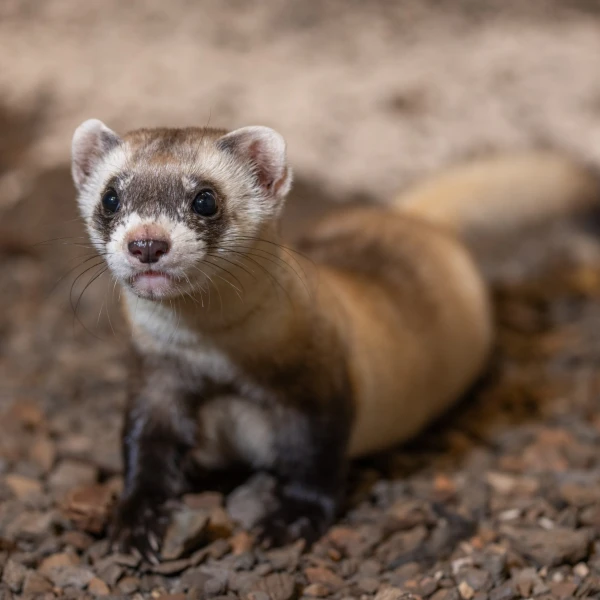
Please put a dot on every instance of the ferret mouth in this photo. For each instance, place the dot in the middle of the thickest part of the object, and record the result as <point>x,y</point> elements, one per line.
<point>152,283</point>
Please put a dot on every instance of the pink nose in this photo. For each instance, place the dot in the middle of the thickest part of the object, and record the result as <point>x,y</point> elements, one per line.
<point>148,251</point>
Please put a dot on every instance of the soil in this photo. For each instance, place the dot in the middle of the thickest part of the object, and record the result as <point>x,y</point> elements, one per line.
<point>498,500</point>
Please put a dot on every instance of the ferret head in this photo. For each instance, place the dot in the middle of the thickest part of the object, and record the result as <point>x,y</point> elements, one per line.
<point>162,205</point>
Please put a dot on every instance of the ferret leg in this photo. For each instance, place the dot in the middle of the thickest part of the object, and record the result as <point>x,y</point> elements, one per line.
<point>311,465</point>
<point>158,435</point>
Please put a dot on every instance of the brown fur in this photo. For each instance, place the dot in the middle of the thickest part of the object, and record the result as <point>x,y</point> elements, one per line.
<point>353,345</point>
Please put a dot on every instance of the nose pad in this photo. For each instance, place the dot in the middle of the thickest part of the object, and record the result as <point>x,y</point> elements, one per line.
<point>148,251</point>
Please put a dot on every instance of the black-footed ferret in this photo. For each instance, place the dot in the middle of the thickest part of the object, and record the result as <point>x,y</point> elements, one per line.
<point>248,352</point>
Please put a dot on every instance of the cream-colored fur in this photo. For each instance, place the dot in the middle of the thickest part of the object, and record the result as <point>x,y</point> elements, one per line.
<point>393,294</point>
<point>499,193</point>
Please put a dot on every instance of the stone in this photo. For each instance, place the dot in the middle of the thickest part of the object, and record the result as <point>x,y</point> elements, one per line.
<point>72,473</point>
<point>14,575</point>
<point>324,576</point>
<point>549,547</point>
<point>23,487</point>
<point>186,531</point>
<point>97,587</point>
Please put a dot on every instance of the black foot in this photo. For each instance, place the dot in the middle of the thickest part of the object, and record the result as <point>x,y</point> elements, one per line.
<point>139,526</point>
<point>297,518</point>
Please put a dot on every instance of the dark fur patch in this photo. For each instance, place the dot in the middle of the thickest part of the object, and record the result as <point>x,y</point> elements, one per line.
<point>149,187</point>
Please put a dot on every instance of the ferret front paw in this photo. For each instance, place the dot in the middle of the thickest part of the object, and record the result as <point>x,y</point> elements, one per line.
<point>139,526</point>
<point>296,518</point>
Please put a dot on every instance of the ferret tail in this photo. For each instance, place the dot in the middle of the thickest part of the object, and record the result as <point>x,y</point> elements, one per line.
<point>519,213</point>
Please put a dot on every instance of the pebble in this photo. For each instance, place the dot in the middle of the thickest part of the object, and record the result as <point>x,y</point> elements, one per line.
<point>23,487</point>
<point>317,590</point>
<point>549,547</point>
<point>88,507</point>
<point>324,576</point>
<point>250,502</point>
<point>97,587</point>
<point>14,575</point>
<point>465,590</point>
<point>72,473</point>
<point>186,531</point>
<point>368,584</point>
<point>581,570</point>
<point>70,576</point>
<point>278,586</point>
<point>36,584</point>
<point>43,453</point>
<point>391,593</point>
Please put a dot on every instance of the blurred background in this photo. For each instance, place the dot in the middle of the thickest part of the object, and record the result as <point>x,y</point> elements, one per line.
<point>370,96</point>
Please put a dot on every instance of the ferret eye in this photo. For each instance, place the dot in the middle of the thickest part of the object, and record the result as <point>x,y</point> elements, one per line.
<point>205,203</point>
<point>110,201</point>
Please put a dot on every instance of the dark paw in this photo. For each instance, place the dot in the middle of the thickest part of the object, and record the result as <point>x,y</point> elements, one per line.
<point>295,519</point>
<point>139,526</point>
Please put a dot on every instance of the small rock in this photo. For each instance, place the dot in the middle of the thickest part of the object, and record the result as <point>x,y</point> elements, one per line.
<point>580,495</point>
<point>14,575</point>
<point>28,414</point>
<point>43,453</point>
<point>126,560</point>
<point>204,501</point>
<point>317,590</point>
<point>109,571</point>
<point>503,592</point>
<point>264,569</point>
<point>581,570</point>
<point>369,568</point>
<point>79,540</point>
<point>72,473</point>
<point>186,531</point>
<point>194,578</point>
<point>97,587</point>
<point>525,581</point>
<point>479,580</point>
<point>62,559</point>
<point>408,513</point>
<point>368,584</point>
<point>286,558</point>
<point>552,547</point>
<point>278,586</point>
<point>564,589</point>
<point>98,550</point>
<point>128,585</point>
<point>510,514</point>
<point>241,543</point>
<point>324,576</point>
<point>258,596</point>
<point>242,582</point>
<point>251,502</point>
<point>70,576</point>
<point>219,524</point>
<point>88,507</point>
<point>244,562</point>
<point>465,590</point>
<point>214,587</point>
<point>171,567</point>
<point>22,487</point>
<point>390,593</point>
<point>35,584</point>
<point>346,539</point>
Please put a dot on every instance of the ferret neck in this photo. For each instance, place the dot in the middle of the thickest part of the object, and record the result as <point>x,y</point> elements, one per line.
<point>257,284</point>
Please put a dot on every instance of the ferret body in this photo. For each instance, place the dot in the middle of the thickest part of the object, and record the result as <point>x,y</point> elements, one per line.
<point>248,351</point>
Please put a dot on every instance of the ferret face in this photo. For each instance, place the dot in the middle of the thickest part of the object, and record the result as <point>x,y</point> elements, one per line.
<point>168,207</point>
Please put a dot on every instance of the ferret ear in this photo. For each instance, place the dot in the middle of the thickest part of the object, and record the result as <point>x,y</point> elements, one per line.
<point>264,149</point>
<point>91,141</point>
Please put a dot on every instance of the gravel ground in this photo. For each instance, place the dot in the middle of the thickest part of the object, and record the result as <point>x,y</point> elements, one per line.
<point>499,500</point>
